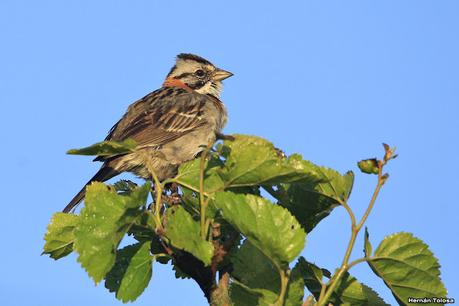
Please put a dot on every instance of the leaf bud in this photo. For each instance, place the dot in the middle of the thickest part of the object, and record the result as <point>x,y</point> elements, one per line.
<point>370,166</point>
<point>389,152</point>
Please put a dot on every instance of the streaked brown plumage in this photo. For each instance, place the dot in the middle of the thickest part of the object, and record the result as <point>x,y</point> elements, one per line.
<point>170,125</point>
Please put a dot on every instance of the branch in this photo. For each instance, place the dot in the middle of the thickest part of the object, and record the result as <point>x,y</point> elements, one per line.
<point>196,269</point>
<point>202,200</point>
<point>158,193</point>
<point>378,166</point>
<point>284,278</point>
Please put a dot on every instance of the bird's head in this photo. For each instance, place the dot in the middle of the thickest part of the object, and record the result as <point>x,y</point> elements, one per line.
<point>198,74</point>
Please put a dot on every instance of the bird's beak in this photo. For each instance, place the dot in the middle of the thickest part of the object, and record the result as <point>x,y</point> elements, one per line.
<point>220,74</point>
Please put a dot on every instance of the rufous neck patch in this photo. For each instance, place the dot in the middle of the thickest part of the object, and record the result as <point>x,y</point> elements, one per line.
<point>171,82</point>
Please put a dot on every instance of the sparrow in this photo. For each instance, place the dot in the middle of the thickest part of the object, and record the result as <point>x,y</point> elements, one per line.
<point>171,125</point>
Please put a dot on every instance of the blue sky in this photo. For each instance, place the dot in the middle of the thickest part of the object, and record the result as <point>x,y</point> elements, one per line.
<point>331,80</point>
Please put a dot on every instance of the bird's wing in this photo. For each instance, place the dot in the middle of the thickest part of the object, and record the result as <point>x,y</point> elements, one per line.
<point>160,118</point>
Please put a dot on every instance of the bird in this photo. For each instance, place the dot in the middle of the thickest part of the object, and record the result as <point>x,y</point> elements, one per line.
<point>170,125</point>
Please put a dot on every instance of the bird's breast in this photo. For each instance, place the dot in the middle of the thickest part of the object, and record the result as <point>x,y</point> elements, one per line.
<point>220,114</point>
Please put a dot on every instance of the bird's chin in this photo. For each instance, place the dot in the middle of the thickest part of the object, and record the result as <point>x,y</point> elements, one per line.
<point>211,88</point>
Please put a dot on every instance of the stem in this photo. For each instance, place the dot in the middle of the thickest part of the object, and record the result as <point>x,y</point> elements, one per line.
<point>284,277</point>
<point>159,255</point>
<point>202,201</point>
<point>350,245</point>
<point>355,262</point>
<point>187,186</point>
<point>373,199</point>
<point>158,202</point>
<point>349,211</point>
<point>209,236</point>
<point>158,193</point>
<point>322,291</point>
<point>355,231</point>
<point>325,294</point>
<point>334,281</point>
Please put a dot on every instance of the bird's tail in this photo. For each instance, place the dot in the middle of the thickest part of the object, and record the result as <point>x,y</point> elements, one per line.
<point>105,173</point>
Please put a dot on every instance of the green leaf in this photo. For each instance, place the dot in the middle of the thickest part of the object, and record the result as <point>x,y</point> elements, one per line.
<point>240,296</point>
<point>106,148</point>
<point>257,280</point>
<point>324,181</point>
<point>131,273</point>
<point>185,233</point>
<point>144,230</point>
<point>349,290</point>
<point>353,293</point>
<point>368,249</point>
<point>124,186</point>
<point>189,174</point>
<point>317,272</point>
<point>253,160</point>
<point>308,191</point>
<point>59,237</point>
<point>248,161</point>
<point>407,267</point>
<point>253,269</point>
<point>295,289</point>
<point>269,227</point>
<point>313,198</point>
<point>244,296</point>
<point>144,227</point>
<point>312,278</point>
<point>190,201</point>
<point>179,273</point>
<point>158,251</point>
<point>104,221</point>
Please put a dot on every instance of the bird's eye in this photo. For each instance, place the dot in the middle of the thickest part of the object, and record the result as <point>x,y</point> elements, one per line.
<point>199,73</point>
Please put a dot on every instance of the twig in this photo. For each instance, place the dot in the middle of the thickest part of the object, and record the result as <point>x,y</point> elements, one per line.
<point>284,277</point>
<point>333,282</point>
<point>187,186</point>
<point>203,201</point>
<point>158,192</point>
<point>322,290</point>
<point>349,211</point>
<point>381,181</point>
<point>355,262</point>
